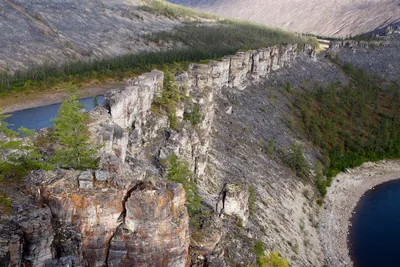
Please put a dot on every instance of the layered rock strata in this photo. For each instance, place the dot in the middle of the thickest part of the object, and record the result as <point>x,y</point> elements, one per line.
<point>117,216</point>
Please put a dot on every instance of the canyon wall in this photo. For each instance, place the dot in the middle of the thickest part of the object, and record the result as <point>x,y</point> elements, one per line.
<point>126,213</point>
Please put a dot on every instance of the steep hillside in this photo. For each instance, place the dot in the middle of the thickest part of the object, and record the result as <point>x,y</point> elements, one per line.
<point>329,18</point>
<point>46,32</point>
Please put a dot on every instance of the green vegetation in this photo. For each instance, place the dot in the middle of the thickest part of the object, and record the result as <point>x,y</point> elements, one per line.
<point>172,11</point>
<point>271,147</point>
<point>351,123</point>
<point>271,260</point>
<point>201,42</point>
<point>252,200</point>
<point>5,204</point>
<point>259,249</point>
<point>323,37</point>
<point>170,96</point>
<point>95,101</point>
<point>74,148</point>
<point>195,117</point>
<point>288,87</point>
<point>297,161</point>
<point>17,155</point>
<point>228,37</point>
<point>178,172</point>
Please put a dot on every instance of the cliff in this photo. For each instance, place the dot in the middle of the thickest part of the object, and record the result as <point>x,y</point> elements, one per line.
<point>126,213</point>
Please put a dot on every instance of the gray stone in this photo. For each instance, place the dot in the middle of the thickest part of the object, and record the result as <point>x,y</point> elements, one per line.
<point>85,180</point>
<point>235,201</point>
<point>101,176</point>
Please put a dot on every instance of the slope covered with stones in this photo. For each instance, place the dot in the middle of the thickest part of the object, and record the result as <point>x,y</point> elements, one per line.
<point>329,18</point>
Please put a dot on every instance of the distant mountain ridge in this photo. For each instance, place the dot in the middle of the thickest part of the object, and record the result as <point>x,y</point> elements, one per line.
<point>338,18</point>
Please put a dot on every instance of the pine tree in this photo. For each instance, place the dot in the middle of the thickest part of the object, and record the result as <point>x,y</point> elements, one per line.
<point>17,155</point>
<point>75,149</point>
<point>95,101</point>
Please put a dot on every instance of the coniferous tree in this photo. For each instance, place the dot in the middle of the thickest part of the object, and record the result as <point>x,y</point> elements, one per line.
<point>75,148</point>
<point>95,101</point>
<point>17,155</point>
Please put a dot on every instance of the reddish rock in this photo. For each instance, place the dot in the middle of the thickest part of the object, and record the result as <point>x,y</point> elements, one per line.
<point>156,229</point>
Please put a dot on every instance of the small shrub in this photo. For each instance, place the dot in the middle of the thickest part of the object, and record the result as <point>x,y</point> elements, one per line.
<point>288,87</point>
<point>239,222</point>
<point>252,200</point>
<point>5,204</point>
<point>259,249</point>
<point>178,172</point>
<point>297,161</point>
<point>195,117</point>
<point>271,147</point>
<point>273,260</point>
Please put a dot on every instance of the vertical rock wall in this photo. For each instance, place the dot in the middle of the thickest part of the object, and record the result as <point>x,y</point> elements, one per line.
<point>156,229</point>
<point>113,221</point>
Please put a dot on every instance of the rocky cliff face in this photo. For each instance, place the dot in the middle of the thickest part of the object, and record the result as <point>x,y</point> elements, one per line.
<point>126,213</point>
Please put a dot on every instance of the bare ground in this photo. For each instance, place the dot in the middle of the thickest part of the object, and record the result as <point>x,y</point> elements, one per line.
<point>341,200</point>
<point>324,17</point>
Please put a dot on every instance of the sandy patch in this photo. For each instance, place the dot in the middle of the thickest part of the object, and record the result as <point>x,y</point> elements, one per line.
<point>342,198</point>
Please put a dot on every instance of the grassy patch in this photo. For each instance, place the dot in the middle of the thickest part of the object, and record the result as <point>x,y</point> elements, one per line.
<point>173,11</point>
<point>252,200</point>
<point>5,204</point>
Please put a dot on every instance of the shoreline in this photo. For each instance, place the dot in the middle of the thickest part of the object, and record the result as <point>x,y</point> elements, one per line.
<point>340,203</point>
<point>37,99</point>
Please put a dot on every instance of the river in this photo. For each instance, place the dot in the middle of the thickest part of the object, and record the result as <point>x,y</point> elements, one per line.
<point>375,233</point>
<point>40,117</point>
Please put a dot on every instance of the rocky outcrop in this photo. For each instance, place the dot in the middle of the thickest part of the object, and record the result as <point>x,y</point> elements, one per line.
<point>37,233</point>
<point>126,128</point>
<point>111,216</point>
<point>128,106</point>
<point>146,225</point>
<point>155,231</point>
<point>353,44</point>
<point>235,201</point>
<point>89,217</point>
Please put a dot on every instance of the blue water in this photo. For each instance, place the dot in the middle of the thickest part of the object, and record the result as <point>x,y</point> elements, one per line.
<point>40,117</point>
<point>375,235</point>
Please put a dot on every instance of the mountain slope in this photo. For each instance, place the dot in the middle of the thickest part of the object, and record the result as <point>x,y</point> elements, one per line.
<point>323,17</point>
<point>39,32</point>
